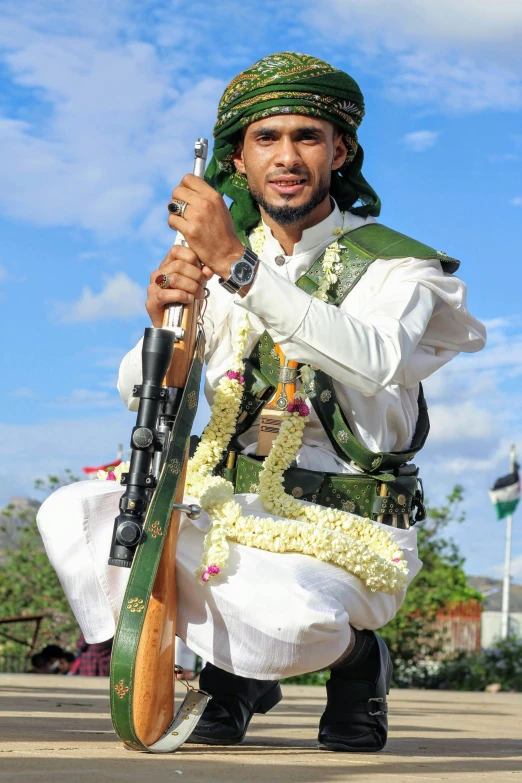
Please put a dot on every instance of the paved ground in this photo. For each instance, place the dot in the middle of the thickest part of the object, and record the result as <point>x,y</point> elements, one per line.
<point>56,728</point>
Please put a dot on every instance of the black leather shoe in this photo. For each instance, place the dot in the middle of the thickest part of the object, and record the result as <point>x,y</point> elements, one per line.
<point>355,719</point>
<point>234,701</point>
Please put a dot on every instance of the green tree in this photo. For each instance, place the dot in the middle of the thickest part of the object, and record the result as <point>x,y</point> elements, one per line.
<point>28,582</point>
<point>410,636</point>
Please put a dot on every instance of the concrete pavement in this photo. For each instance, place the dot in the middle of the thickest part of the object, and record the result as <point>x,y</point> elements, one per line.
<point>56,728</point>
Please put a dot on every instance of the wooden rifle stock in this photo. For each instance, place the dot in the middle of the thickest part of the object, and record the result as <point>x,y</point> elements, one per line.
<point>153,701</point>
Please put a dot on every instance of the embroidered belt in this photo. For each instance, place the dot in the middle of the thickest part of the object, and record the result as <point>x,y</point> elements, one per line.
<point>358,493</point>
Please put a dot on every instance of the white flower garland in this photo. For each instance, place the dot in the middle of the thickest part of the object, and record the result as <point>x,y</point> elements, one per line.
<point>354,543</point>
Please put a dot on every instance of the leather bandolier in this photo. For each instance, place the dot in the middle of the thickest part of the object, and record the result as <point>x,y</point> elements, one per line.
<point>360,492</point>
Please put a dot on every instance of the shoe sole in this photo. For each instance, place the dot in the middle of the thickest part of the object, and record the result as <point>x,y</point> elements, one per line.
<point>265,704</point>
<point>337,746</point>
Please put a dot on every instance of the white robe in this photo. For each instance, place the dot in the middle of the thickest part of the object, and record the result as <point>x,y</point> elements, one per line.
<point>274,615</point>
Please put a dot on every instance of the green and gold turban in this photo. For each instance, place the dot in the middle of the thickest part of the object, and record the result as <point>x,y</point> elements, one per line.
<point>290,83</point>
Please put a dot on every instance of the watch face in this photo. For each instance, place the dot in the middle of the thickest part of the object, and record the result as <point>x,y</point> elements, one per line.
<point>242,272</point>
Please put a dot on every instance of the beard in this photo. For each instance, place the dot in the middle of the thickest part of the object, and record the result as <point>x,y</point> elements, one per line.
<point>288,215</point>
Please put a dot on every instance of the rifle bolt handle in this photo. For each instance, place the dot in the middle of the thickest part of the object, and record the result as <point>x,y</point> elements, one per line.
<point>191,510</point>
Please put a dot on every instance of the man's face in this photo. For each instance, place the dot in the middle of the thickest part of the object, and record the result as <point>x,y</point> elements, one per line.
<point>288,160</point>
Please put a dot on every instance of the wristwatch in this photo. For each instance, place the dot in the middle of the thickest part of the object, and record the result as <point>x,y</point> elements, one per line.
<point>241,272</point>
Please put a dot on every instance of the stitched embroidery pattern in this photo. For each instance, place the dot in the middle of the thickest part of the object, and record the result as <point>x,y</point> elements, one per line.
<point>155,529</point>
<point>135,605</point>
<point>174,466</point>
<point>121,689</point>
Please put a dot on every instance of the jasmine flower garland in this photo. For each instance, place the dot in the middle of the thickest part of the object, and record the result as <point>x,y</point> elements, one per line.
<point>363,548</point>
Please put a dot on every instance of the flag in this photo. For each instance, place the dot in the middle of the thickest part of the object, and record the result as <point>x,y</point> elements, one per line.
<point>506,494</point>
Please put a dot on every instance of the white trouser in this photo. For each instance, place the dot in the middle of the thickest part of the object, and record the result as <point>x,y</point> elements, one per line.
<point>267,616</point>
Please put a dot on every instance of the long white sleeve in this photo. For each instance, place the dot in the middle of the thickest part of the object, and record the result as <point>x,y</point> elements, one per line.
<point>366,353</point>
<point>130,374</point>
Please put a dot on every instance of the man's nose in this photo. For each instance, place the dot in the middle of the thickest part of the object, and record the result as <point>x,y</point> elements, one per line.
<point>287,154</point>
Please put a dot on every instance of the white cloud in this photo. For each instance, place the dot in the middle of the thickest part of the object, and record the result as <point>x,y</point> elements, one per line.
<point>457,422</point>
<point>466,23</point>
<point>516,564</point>
<point>120,297</point>
<point>111,120</point>
<point>31,451</point>
<point>454,82</point>
<point>517,201</point>
<point>418,141</point>
<point>474,406</point>
<point>459,56</point>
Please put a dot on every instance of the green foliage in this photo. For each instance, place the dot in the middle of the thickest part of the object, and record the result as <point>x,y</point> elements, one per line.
<point>312,678</point>
<point>410,635</point>
<point>501,664</point>
<point>28,582</point>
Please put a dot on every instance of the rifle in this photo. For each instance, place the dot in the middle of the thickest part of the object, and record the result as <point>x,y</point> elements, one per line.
<point>145,533</point>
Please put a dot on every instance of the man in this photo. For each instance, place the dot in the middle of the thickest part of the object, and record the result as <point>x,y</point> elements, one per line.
<point>286,153</point>
<point>66,663</point>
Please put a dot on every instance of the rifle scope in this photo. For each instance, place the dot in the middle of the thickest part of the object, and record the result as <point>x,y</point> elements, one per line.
<point>146,440</point>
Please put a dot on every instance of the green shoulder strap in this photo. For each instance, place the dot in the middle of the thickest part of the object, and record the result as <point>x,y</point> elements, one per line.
<point>326,404</point>
<point>359,248</point>
<point>382,242</point>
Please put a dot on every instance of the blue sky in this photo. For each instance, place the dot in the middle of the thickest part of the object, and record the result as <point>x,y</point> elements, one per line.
<point>99,106</point>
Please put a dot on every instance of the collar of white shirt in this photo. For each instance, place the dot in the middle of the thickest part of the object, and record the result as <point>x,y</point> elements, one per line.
<point>317,236</point>
<point>312,243</point>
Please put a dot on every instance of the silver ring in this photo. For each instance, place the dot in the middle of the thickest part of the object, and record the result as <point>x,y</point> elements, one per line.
<point>177,207</point>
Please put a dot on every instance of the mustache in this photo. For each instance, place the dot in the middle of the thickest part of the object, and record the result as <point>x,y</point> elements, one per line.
<point>297,172</point>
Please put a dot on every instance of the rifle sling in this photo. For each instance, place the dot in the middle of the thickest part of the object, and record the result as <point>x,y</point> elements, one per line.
<point>141,582</point>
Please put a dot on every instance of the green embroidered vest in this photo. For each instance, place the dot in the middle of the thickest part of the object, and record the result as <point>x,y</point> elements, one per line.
<point>358,249</point>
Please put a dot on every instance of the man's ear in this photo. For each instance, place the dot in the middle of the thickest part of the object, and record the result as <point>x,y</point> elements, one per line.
<point>340,152</point>
<point>238,158</point>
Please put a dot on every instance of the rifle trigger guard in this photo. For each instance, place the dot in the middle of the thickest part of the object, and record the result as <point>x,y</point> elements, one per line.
<point>191,510</point>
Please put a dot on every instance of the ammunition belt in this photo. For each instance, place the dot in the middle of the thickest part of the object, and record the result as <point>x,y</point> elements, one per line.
<point>358,493</point>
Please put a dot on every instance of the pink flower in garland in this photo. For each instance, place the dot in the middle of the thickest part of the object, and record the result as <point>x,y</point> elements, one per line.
<point>299,406</point>
<point>209,571</point>
<point>234,376</point>
<point>111,476</point>
<point>396,559</point>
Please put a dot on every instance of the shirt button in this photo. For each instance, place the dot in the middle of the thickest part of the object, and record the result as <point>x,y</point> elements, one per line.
<point>280,260</point>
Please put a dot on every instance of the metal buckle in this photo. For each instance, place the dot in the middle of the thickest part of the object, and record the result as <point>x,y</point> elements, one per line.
<point>180,670</point>
<point>380,701</point>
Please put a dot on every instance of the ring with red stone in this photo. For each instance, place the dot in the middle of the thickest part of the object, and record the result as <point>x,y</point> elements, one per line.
<point>162,281</point>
